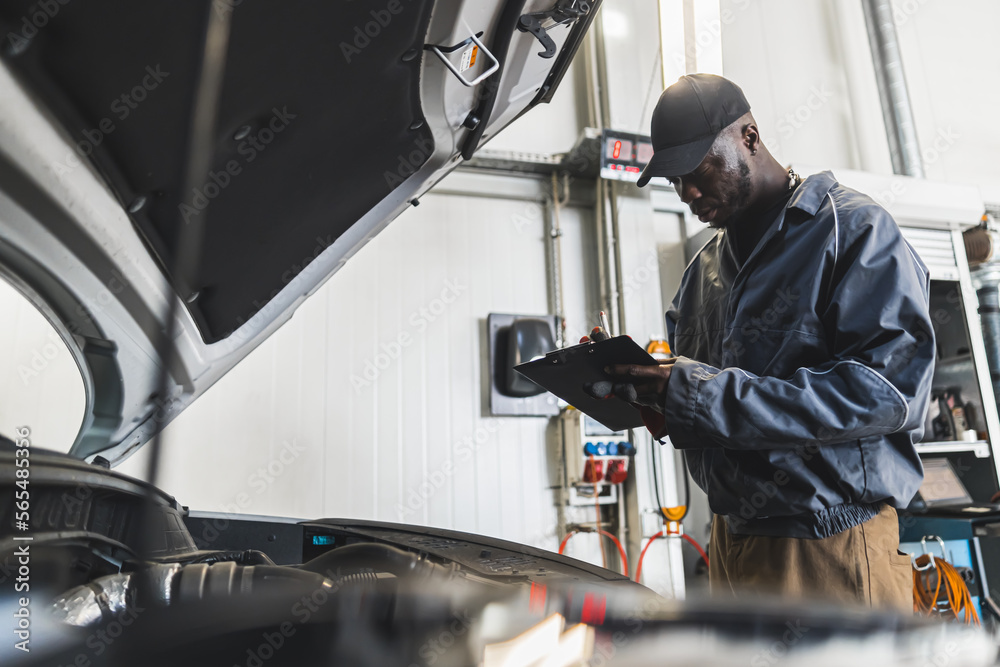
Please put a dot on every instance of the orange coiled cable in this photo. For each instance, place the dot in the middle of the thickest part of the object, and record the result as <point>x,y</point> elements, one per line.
<point>927,602</point>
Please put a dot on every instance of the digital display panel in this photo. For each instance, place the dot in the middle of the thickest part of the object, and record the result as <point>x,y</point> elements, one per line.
<point>624,155</point>
<point>643,152</point>
<point>618,149</point>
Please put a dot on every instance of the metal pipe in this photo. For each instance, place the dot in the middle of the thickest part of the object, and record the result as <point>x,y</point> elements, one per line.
<point>985,351</point>
<point>554,247</point>
<point>617,296</point>
<point>601,72</point>
<point>190,236</point>
<point>980,244</point>
<point>904,149</point>
<point>590,77</point>
<point>608,261</point>
<point>597,107</point>
<point>602,244</point>
<point>989,316</point>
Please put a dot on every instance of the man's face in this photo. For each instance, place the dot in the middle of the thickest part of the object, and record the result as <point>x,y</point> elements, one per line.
<point>718,190</point>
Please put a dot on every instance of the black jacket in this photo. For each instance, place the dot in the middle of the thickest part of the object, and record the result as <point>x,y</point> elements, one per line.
<point>804,375</point>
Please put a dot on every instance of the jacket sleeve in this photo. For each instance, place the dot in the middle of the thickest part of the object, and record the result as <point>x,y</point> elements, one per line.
<point>876,382</point>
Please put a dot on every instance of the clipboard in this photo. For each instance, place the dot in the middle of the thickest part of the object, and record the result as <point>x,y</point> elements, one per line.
<point>565,372</point>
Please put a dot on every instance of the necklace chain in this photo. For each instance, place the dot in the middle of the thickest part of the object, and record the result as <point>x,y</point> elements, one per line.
<point>793,179</point>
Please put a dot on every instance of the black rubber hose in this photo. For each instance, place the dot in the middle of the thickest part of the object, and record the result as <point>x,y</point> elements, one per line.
<point>369,557</point>
<point>687,486</point>
<point>245,557</point>
<point>656,486</point>
<point>204,581</point>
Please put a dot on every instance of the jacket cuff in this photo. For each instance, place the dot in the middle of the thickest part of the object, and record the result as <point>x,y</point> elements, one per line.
<point>681,402</point>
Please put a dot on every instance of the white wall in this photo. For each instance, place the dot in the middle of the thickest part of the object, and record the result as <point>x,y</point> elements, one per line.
<point>788,57</point>
<point>40,385</point>
<point>952,60</point>
<point>806,69</point>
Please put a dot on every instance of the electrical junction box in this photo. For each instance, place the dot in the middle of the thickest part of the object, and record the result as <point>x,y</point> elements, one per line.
<point>595,459</point>
<point>514,339</point>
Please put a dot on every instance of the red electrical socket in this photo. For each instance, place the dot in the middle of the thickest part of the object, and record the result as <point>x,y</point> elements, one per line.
<point>617,472</point>
<point>593,471</point>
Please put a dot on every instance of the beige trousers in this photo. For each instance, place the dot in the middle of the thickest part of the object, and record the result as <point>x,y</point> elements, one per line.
<point>861,565</point>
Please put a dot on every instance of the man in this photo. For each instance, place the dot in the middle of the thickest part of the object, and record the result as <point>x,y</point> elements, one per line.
<point>805,354</point>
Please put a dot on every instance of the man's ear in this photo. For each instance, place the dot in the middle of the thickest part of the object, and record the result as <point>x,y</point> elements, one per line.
<point>751,138</point>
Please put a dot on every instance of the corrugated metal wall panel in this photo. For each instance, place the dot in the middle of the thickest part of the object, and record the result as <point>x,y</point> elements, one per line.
<point>640,268</point>
<point>934,247</point>
<point>581,288</point>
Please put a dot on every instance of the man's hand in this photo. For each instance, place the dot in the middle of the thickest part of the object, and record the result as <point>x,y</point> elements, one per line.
<point>641,385</point>
<point>649,385</point>
<point>645,387</point>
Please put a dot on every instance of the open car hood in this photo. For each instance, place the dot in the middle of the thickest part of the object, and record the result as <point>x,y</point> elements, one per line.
<point>325,120</point>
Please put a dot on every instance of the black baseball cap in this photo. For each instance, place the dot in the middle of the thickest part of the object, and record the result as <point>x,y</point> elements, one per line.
<point>687,119</point>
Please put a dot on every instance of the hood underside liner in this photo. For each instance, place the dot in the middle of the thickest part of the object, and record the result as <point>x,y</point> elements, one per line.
<point>300,154</point>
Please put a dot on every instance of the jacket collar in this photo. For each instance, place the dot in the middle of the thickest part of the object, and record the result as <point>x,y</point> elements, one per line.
<point>807,198</point>
<point>810,194</point>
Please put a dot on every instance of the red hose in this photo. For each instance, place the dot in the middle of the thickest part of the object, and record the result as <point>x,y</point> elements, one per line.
<point>621,549</point>
<point>642,555</point>
<point>697,546</point>
<point>662,533</point>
